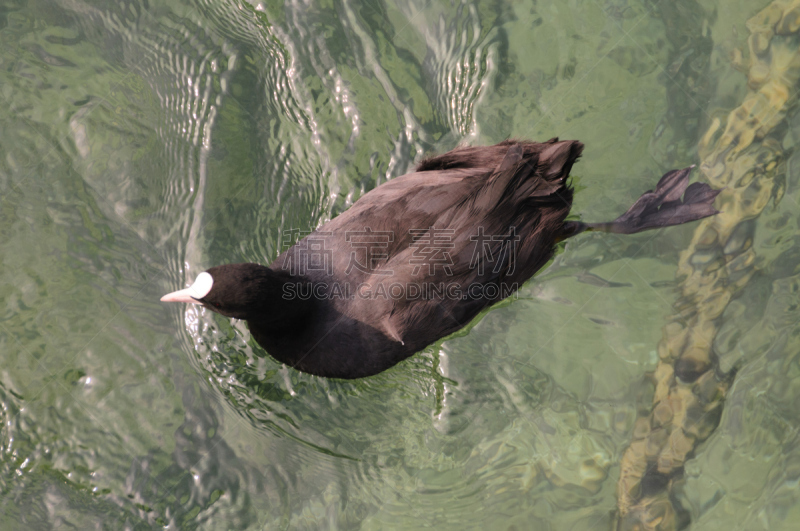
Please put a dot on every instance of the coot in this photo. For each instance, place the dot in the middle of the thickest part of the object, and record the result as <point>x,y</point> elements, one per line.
<point>418,257</point>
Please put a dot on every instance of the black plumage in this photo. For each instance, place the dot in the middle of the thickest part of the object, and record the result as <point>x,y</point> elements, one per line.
<point>337,304</point>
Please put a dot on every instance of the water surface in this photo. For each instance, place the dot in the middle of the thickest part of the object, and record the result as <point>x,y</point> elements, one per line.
<point>145,141</point>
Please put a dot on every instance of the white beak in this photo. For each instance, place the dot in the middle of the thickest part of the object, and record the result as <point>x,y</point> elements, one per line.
<point>192,294</point>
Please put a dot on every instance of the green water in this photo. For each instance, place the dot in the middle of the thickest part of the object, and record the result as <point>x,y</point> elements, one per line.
<point>144,141</point>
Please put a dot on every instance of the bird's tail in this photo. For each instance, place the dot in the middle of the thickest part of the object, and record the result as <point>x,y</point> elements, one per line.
<point>660,208</point>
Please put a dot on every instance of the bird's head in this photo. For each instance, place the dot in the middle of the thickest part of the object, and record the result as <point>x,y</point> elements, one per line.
<point>241,291</point>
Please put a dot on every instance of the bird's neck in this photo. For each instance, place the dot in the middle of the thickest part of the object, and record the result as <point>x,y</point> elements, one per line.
<point>284,306</point>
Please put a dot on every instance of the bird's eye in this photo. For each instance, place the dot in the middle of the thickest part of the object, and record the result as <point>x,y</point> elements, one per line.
<point>217,305</point>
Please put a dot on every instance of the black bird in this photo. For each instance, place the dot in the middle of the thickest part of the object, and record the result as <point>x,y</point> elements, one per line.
<point>418,257</point>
